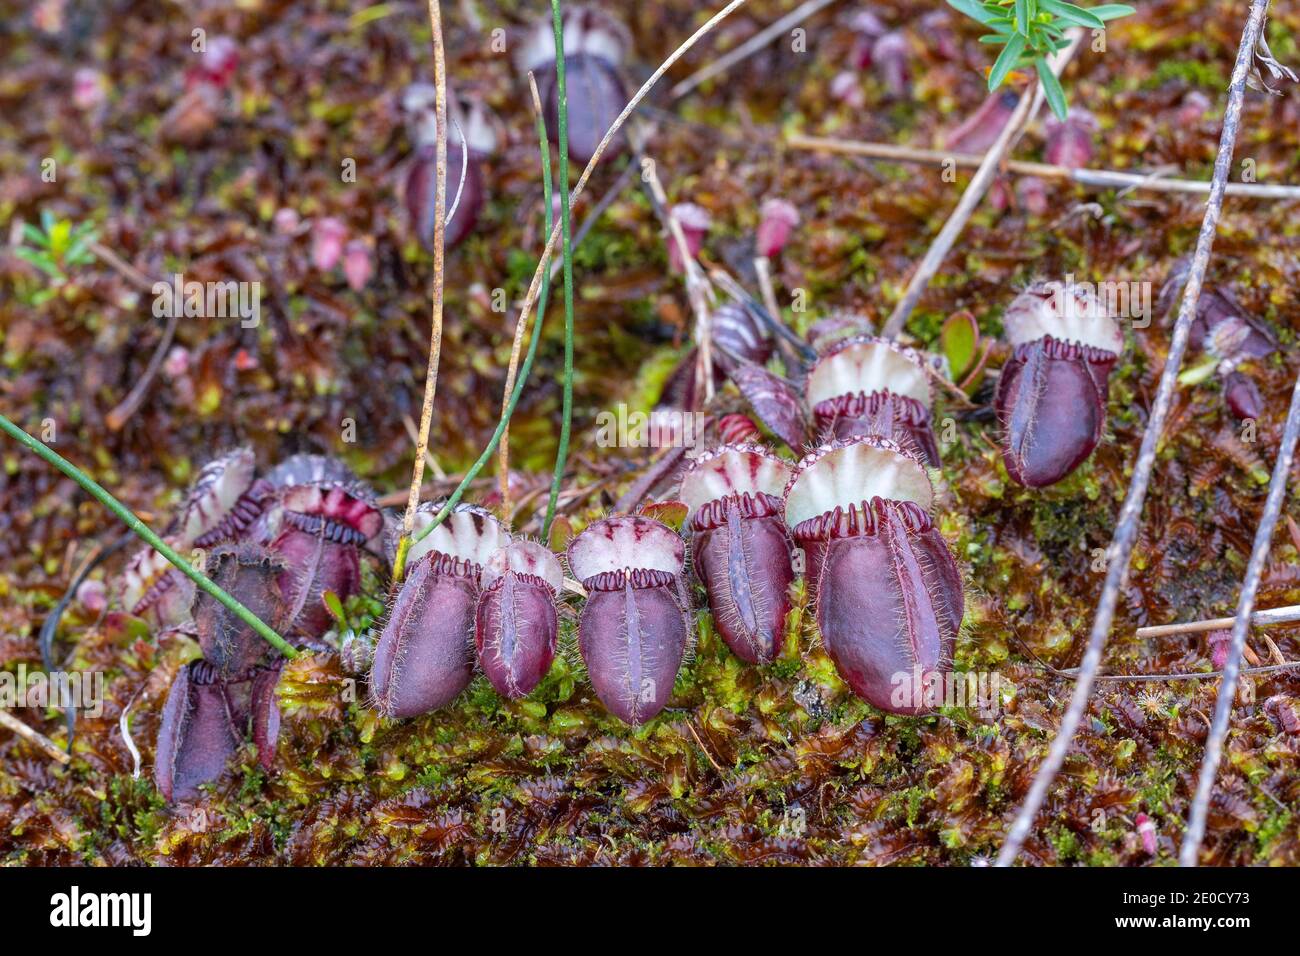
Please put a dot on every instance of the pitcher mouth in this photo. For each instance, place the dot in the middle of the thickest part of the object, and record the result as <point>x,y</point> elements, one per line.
<point>862,519</point>
<point>863,364</point>
<point>843,474</point>
<point>626,543</point>
<point>732,470</point>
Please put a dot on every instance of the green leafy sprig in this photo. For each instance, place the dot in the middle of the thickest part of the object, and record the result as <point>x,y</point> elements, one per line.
<point>1030,31</point>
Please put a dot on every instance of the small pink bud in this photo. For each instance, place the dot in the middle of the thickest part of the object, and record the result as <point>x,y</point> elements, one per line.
<point>1146,828</point>
<point>218,61</point>
<point>1192,109</point>
<point>1032,195</point>
<point>358,266</point>
<point>1242,395</point>
<point>890,55</point>
<point>177,362</point>
<point>48,16</point>
<point>1070,143</point>
<point>778,222</point>
<point>92,596</point>
<point>286,221</point>
<point>244,361</point>
<point>1220,642</point>
<point>869,28</point>
<point>328,236</point>
<point>695,221</point>
<point>1000,194</point>
<point>89,89</point>
<point>846,89</point>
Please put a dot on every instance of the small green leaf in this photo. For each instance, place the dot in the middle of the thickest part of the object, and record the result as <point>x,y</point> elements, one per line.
<point>1112,11</point>
<point>1072,14</point>
<point>333,605</point>
<point>1022,17</point>
<point>960,338</point>
<point>972,9</point>
<point>1052,89</point>
<point>1199,373</point>
<point>1006,61</point>
<point>40,260</point>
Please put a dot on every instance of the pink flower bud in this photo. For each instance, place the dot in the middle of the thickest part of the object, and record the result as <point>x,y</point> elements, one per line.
<point>1031,192</point>
<point>846,89</point>
<point>218,61</point>
<point>778,222</point>
<point>358,266</point>
<point>92,596</point>
<point>1000,194</point>
<point>89,88</point>
<point>1192,109</point>
<point>177,362</point>
<point>869,28</point>
<point>286,221</point>
<point>1220,642</point>
<point>1070,143</point>
<point>890,56</point>
<point>328,235</point>
<point>1146,828</point>
<point>695,221</point>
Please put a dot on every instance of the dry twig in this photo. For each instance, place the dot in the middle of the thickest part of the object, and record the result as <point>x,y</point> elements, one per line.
<point>439,255</point>
<point>1100,178</point>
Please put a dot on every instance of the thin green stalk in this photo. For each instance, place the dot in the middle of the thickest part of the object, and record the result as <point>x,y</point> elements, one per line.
<point>124,514</point>
<point>522,378</point>
<point>562,452</point>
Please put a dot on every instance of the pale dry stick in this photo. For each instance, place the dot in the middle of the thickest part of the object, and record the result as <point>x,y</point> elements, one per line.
<point>1189,853</point>
<point>1121,546</point>
<point>439,256</point>
<point>534,287</point>
<point>975,191</point>
<point>11,722</point>
<point>697,286</point>
<point>763,269</point>
<point>1277,615</point>
<point>1073,674</point>
<point>124,728</point>
<point>1103,178</point>
<point>747,49</point>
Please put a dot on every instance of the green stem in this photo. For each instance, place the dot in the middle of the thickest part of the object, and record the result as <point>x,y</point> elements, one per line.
<point>124,514</point>
<point>522,378</point>
<point>562,452</point>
